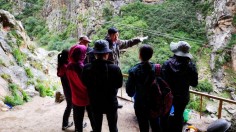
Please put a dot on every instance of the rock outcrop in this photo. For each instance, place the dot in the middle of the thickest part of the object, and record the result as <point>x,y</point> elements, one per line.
<point>86,16</point>
<point>21,62</point>
<point>220,27</point>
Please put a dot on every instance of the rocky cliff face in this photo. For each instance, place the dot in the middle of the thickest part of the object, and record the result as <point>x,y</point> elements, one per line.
<point>21,62</point>
<point>85,15</point>
<point>219,30</point>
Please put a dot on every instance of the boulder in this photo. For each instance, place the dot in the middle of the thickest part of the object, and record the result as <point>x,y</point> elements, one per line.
<point>212,109</point>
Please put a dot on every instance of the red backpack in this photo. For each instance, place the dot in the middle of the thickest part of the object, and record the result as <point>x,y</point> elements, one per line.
<point>159,95</point>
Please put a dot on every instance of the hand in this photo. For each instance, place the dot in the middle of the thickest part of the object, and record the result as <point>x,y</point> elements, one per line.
<point>143,38</point>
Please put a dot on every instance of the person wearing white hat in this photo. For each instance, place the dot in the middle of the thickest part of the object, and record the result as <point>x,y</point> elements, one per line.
<point>179,72</point>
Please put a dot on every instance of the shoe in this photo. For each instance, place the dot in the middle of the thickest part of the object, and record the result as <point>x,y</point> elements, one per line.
<point>69,125</point>
<point>120,106</point>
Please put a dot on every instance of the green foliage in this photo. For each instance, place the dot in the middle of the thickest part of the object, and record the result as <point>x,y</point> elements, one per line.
<point>234,20</point>
<point>204,86</point>
<point>6,5</point>
<point>232,41</point>
<point>30,82</point>
<point>19,56</point>
<point>195,103</point>
<point>29,72</point>
<point>107,13</point>
<point>43,90</point>
<point>15,98</point>
<point>6,77</point>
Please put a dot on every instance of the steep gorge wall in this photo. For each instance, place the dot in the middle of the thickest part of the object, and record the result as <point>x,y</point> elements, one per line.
<point>86,15</point>
<point>219,26</point>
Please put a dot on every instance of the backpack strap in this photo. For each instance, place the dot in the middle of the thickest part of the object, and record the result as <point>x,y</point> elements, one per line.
<point>158,69</point>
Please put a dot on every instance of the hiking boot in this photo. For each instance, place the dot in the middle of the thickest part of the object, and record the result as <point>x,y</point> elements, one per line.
<point>69,125</point>
<point>119,106</point>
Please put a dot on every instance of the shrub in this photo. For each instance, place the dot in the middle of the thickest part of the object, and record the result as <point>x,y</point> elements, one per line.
<point>19,56</point>
<point>44,91</point>
<point>15,98</point>
<point>204,86</point>
<point>195,102</point>
<point>29,73</point>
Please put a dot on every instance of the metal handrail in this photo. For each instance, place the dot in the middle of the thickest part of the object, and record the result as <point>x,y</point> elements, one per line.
<point>201,94</point>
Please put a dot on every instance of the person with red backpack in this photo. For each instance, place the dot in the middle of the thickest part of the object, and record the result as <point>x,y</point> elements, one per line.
<point>179,72</point>
<point>140,79</point>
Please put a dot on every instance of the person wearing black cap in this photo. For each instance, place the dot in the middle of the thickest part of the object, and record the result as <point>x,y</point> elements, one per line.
<point>115,45</point>
<point>179,72</point>
<point>103,79</point>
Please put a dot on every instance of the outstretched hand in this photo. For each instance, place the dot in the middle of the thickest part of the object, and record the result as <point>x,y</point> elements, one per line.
<point>143,38</point>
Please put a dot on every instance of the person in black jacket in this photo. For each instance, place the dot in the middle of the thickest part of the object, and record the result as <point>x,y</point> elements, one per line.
<point>180,73</point>
<point>61,72</point>
<point>103,79</point>
<point>140,77</point>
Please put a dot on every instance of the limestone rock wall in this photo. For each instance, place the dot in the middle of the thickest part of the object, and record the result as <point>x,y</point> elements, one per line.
<point>18,53</point>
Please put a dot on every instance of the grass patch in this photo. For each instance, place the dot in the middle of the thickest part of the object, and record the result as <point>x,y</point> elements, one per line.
<point>204,86</point>
<point>6,77</point>
<point>194,103</point>
<point>44,91</point>
<point>19,56</point>
<point>15,98</point>
<point>29,73</point>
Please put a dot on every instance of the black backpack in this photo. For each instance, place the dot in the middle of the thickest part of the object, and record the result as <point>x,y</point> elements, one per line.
<point>159,95</point>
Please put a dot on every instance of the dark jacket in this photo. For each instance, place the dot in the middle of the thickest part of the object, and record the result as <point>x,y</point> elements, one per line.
<point>116,47</point>
<point>89,56</point>
<point>102,79</point>
<point>180,73</point>
<point>140,76</point>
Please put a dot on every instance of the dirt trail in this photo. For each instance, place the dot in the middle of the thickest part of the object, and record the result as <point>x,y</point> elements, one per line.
<point>43,115</point>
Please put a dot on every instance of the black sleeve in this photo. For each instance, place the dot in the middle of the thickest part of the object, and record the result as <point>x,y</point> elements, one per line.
<point>130,84</point>
<point>193,74</point>
<point>84,75</point>
<point>119,78</point>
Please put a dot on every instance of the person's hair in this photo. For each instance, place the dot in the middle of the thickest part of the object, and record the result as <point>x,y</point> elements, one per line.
<point>112,30</point>
<point>145,52</point>
<point>62,58</point>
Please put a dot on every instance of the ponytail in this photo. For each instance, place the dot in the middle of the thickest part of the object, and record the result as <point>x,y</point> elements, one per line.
<point>62,58</point>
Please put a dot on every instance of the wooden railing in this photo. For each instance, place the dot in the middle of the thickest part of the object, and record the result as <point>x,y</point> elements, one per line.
<point>221,100</point>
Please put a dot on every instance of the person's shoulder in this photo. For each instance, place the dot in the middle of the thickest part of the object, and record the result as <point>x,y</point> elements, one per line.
<point>135,68</point>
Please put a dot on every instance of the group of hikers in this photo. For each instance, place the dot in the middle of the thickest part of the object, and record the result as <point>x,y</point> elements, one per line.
<point>91,78</point>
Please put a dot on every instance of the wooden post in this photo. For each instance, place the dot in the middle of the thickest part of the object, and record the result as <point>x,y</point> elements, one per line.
<point>220,109</point>
<point>201,107</point>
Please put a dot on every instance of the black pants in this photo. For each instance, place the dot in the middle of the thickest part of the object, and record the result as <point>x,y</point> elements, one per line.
<point>142,115</point>
<point>111,118</point>
<point>67,112</point>
<point>176,124</point>
<point>79,117</point>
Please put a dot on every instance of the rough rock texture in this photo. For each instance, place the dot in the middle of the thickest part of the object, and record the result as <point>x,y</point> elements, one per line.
<point>16,47</point>
<point>233,54</point>
<point>219,29</point>
<point>85,15</point>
